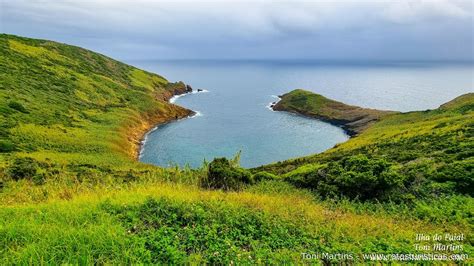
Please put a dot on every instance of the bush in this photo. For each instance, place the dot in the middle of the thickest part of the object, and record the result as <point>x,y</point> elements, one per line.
<point>4,130</point>
<point>262,176</point>
<point>17,106</point>
<point>461,174</point>
<point>23,168</point>
<point>223,174</point>
<point>354,177</point>
<point>39,178</point>
<point>6,146</point>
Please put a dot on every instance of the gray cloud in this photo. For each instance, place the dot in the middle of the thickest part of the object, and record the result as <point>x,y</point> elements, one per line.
<point>347,29</point>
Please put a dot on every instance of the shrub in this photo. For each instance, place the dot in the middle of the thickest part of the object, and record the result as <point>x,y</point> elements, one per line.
<point>23,168</point>
<point>39,178</point>
<point>461,174</point>
<point>262,176</point>
<point>17,106</point>
<point>354,177</point>
<point>4,130</point>
<point>223,174</point>
<point>6,146</point>
<point>359,176</point>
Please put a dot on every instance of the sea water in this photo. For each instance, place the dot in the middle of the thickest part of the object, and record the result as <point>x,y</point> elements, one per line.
<point>233,112</point>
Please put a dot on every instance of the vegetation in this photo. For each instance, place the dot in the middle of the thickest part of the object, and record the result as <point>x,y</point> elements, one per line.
<point>404,157</point>
<point>422,161</point>
<point>72,193</point>
<point>353,119</point>
<point>68,104</point>
<point>355,177</point>
<point>226,175</point>
<point>23,167</point>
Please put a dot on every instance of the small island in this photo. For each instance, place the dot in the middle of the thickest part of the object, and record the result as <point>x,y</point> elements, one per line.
<point>352,119</point>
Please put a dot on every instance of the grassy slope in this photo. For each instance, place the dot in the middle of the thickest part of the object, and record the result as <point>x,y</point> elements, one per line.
<point>352,118</point>
<point>431,151</point>
<point>181,223</point>
<point>78,106</point>
<point>440,137</point>
<point>97,204</point>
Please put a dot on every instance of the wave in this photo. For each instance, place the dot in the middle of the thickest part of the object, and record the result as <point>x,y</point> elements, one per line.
<point>143,141</point>
<point>175,97</point>
<point>269,105</point>
<point>196,114</point>
<point>201,91</point>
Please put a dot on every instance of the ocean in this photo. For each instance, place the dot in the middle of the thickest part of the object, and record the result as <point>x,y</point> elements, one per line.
<point>233,112</point>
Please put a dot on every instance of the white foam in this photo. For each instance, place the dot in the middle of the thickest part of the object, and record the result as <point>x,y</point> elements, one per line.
<point>269,106</point>
<point>196,114</point>
<point>144,140</point>
<point>202,91</point>
<point>175,97</point>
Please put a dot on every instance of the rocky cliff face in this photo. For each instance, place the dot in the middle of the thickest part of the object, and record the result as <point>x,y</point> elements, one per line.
<point>172,89</point>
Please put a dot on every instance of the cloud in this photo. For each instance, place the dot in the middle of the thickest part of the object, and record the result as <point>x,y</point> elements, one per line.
<point>403,29</point>
<point>415,11</point>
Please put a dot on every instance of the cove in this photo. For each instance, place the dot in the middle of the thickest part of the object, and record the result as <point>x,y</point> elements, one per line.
<point>234,116</point>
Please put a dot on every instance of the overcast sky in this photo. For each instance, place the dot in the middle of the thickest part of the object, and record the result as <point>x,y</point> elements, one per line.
<point>341,30</point>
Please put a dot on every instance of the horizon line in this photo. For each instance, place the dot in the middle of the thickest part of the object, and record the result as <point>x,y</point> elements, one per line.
<point>312,60</point>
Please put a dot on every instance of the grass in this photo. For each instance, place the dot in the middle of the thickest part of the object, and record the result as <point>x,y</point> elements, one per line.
<point>434,146</point>
<point>172,222</point>
<point>430,152</point>
<point>82,198</point>
<point>62,100</point>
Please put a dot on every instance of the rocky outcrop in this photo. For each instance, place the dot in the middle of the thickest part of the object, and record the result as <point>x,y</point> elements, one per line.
<point>172,89</point>
<point>189,88</point>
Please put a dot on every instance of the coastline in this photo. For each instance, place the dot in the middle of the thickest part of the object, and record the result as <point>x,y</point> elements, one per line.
<point>148,122</point>
<point>173,99</point>
<point>156,126</point>
<point>272,106</point>
<point>273,103</point>
<point>352,119</point>
<point>152,123</point>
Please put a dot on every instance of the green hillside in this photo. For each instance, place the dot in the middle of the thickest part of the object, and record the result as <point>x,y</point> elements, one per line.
<point>424,159</point>
<point>72,192</point>
<point>64,103</point>
<point>413,155</point>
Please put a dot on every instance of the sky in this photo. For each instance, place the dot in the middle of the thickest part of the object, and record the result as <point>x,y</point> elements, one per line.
<point>258,29</point>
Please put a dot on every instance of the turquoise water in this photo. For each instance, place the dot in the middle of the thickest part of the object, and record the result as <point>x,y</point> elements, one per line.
<point>234,114</point>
